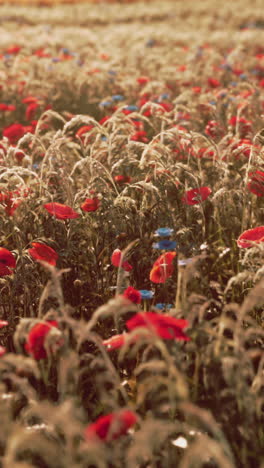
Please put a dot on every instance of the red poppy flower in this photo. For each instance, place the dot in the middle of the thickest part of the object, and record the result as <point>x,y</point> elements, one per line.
<point>213,129</point>
<point>116,259</point>
<point>244,125</point>
<point>256,183</point>
<point>115,342</point>
<point>13,50</point>
<point>142,80</point>
<point>14,132</point>
<point>30,110</point>
<point>251,236</point>
<point>162,268</point>
<point>61,211</point>
<point>4,107</point>
<point>196,196</point>
<point>19,155</point>
<point>90,204</point>
<point>141,136</point>
<point>213,82</point>
<point>85,129</point>
<point>30,100</point>
<point>7,261</point>
<point>10,203</point>
<point>35,344</point>
<point>132,294</point>
<point>43,252</point>
<point>122,179</point>
<point>164,326</point>
<point>3,323</point>
<point>111,426</point>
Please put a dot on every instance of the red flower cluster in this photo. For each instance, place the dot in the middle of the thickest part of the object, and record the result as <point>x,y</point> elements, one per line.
<point>116,260</point>
<point>43,252</point>
<point>35,344</point>
<point>162,268</point>
<point>250,237</point>
<point>196,196</point>
<point>7,262</point>
<point>112,426</point>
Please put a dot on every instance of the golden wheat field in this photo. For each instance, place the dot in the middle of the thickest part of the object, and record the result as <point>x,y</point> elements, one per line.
<point>132,234</point>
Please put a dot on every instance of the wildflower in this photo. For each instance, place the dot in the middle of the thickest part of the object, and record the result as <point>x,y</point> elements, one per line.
<point>90,204</point>
<point>213,82</point>
<point>10,203</point>
<point>116,261</point>
<point>19,155</point>
<point>43,252</point>
<point>83,130</point>
<point>3,323</point>
<point>118,97</point>
<point>196,196</point>
<point>35,344</point>
<point>164,232</point>
<point>165,244</point>
<point>2,351</point>
<point>251,236</point>
<point>146,294</point>
<point>115,342</point>
<point>256,183</point>
<point>7,262</point>
<point>132,294</point>
<point>14,132</point>
<point>142,80</point>
<point>13,50</point>
<point>122,179</point>
<point>61,211</point>
<point>141,136</point>
<point>164,326</point>
<point>111,426</point>
<point>30,110</point>
<point>162,306</point>
<point>162,268</point>
<point>244,125</point>
<point>213,129</point>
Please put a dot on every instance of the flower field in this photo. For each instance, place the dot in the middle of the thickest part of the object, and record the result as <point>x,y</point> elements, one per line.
<point>132,235</point>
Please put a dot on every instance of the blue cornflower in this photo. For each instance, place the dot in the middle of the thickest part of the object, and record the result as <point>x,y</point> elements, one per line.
<point>162,306</point>
<point>146,294</point>
<point>164,96</point>
<point>56,59</point>
<point>118,97</point>
<point>233,83</point>
<point>164,232</point>
<point>150,43</point>
<point>105,103</point>
<point>165,245</point>
<point>243,76</point>
<point>213,103</point>
<point>112,72</point>
<point>104,138</point>
<point>131,108</point>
